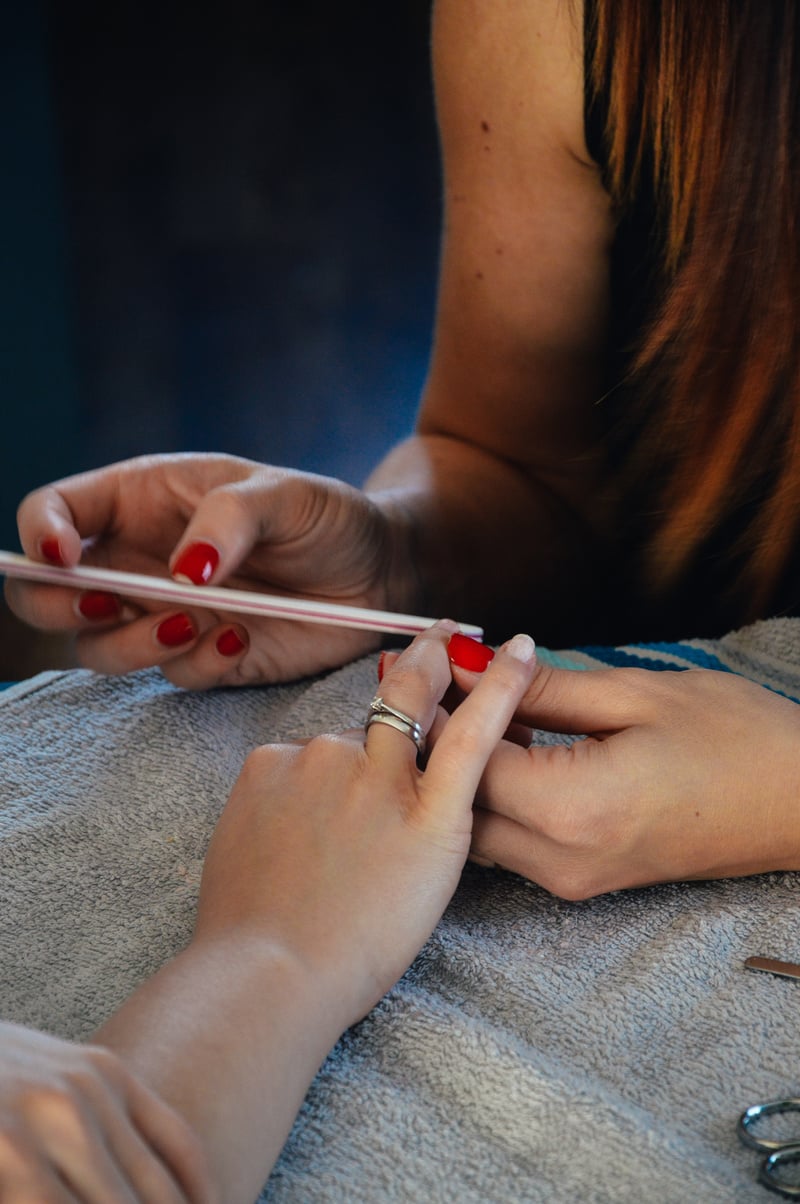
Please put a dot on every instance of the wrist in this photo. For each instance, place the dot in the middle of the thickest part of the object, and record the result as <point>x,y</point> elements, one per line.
<point>319,998</point>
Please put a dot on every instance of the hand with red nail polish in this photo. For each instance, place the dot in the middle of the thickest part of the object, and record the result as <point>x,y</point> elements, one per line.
<point>197,563</point>
<point>98,606</point>
<point>210,519</point>
<point>231,643</point>
<point>469,654</point>
<point>51,550</point>
<point>175,631</point>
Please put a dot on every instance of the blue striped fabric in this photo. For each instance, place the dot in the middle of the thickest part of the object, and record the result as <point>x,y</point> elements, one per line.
<point>739,653</point>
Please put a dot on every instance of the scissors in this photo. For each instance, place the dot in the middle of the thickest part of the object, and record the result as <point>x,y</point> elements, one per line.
<point>779,1152</point>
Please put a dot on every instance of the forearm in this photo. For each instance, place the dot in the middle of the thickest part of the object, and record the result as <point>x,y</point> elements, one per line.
<point>230,1033</point>
<point>483,541</point>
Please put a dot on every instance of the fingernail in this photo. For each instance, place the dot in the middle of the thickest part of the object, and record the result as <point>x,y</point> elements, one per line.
<point>98,604</point>
<point>381,665</point>
<point>468,653</point>
<point>174,631</point>
<point>522,648</point>
<point>196,563</point>
<point>230,643</point>
<point>51,550</point>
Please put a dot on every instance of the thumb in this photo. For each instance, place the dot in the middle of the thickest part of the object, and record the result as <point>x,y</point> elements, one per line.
<point>578,701</point>
<point>575,701</point>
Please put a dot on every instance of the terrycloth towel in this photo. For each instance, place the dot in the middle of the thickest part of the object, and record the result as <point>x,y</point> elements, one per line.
<point>537,1050</point>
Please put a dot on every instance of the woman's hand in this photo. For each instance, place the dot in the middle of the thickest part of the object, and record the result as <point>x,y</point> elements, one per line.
<point>342,851</point>
<point>684,775</point>
<point>213,519</point>
<point>75,1125</point>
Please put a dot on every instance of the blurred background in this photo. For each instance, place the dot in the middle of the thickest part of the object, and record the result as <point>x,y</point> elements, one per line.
<point>220,233</point>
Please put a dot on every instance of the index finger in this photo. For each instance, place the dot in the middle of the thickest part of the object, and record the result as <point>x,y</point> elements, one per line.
<point>168,1134</point>
<point>47,529</point>
<point>478,724</point>
<point>576,701</point>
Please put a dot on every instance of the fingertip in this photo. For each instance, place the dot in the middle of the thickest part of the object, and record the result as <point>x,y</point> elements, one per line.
<point>175,631</point>
<point>232,642</point>
<point>50,550</point>
<point>466,653</point>
<point>98,606</point>
<point>522,648</point>
<point>62,548</point>
<point>47,529</point>
<point>196,563</point>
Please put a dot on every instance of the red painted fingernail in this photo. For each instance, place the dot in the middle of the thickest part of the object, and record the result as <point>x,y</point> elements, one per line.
<point>468,653</point>
<point>174,631</point>
<point>196,563</point>
<point>381,665</point>
<point>97,604</point>
<point>230,643</point>
<point>51,550</point>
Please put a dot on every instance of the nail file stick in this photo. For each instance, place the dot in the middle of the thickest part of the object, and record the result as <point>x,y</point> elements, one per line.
<point>235,601</point>
<point>772,966</point>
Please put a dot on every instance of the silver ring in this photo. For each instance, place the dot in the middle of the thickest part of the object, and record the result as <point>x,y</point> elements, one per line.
<point>381,712</point>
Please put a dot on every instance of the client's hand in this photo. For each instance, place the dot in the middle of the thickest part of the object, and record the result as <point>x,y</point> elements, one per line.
<point>684,775</point>
<point>345,853</point>
<point>217,519</point>
<point>75,1125</point>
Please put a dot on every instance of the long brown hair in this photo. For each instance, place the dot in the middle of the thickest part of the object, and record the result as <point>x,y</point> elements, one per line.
<point>706,97</point>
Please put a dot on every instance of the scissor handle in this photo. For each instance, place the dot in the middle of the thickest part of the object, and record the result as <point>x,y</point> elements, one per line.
<point>769,1171</point>
<point>756,1112</point>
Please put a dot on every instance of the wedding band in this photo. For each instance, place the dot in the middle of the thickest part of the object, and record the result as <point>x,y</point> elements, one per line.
<point>381,712</point>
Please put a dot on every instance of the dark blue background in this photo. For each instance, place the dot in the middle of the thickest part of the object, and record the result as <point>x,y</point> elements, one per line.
<point>220,226</point>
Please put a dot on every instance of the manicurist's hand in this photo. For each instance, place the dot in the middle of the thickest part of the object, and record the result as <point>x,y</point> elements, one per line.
<point>684,775</point>
<point>344,851</point>
<point>212,519</point>
<point>75,1125</point>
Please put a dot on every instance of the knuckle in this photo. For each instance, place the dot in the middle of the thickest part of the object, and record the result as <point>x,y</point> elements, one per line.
<point>261,760</point>
<point>12,1148</point>
<point>403,675</point>
<point>575,885</point>
<point>461,744</point>
<point>230,504</point>
<point>326,749</point>
<point>57,1109</point>
<point>105,1063</point>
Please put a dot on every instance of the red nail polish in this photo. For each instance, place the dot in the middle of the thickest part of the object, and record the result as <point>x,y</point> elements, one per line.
<point>51,550</point>
<point>97,604</point>
<point>230,643</point>
<point>174,631</point>
<point>196,563</point>
<point>468,653</point>
<point>381,665</point>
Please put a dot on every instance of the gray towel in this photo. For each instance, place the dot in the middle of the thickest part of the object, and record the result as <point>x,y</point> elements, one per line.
<point>537,1050</point>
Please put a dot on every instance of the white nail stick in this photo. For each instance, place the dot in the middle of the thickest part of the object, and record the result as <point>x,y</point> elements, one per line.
<point>235,601</point>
